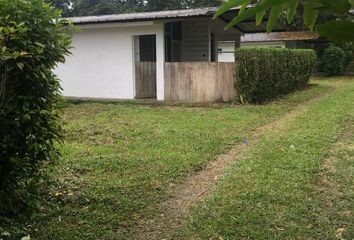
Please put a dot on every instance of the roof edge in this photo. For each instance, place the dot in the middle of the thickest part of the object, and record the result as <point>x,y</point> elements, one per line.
<point>144,16</point>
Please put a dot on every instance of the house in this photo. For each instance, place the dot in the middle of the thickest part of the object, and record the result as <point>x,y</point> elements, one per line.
<point>165,55</point>
<point>299,39</point>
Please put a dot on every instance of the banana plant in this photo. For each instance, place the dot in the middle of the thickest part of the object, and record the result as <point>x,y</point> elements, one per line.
<point>339,29</point>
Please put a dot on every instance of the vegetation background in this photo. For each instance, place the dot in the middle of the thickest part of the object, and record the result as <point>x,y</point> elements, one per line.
<point>99,7</point>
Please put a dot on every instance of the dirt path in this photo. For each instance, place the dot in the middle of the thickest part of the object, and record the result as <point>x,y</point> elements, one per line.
<point>195,188</point>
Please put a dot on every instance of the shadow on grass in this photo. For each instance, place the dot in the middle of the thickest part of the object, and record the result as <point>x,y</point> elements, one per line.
<point>153,103</point>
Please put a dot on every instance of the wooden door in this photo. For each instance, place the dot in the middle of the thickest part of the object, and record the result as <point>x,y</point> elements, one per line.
<point>145,79</point>
<point>145,66</point>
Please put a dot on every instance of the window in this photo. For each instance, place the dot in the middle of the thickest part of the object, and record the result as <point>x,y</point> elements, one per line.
<point>173,41</point>
<point>147,47</point>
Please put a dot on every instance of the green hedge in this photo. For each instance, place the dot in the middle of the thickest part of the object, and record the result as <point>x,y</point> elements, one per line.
<point>266,73</point>
<point>333,61</point>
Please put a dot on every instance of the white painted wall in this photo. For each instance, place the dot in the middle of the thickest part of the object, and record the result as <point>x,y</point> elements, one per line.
<point>226,51</point>
<point>102,61</point>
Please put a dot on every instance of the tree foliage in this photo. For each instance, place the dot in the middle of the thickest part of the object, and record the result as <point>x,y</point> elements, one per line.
<point>32,42</point>
<point>101,7</point>
<point>339,28</point>
<point>348,50</point>
<point>65,5</point>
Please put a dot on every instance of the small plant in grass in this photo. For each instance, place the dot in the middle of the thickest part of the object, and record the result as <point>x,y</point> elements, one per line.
<point>333,61</point>
<point>32,41</point>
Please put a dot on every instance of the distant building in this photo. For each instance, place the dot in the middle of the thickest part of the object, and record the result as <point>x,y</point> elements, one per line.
<point>226,49</point>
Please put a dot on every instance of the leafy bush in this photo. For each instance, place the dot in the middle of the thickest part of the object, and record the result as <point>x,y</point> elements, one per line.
<point>333,61</point>
<point>348,50</point>
<point>31,44</point>
<point>265,73</point>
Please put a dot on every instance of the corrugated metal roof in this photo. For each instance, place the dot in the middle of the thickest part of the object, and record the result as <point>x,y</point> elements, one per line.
<point>279,36</point>
<point>247,26</point>
<point>145,16</point>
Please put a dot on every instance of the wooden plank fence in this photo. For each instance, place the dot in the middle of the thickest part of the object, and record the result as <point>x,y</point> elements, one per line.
<point>200,81</point>
<point>145,79</point>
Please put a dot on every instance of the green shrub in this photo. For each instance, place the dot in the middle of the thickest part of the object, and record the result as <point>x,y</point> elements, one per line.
<point>31,44</point>
<point>266,73</point>
<point>348,50</point>
<point>333,61</point>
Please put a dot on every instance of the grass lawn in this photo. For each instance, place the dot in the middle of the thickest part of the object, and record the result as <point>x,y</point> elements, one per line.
<point>295,182</point>
<point>120,160</point>
<point>337,184</point>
